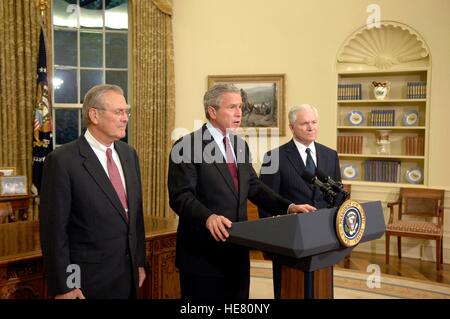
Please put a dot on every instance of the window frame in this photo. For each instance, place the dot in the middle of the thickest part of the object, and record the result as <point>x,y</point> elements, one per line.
<point>78,29</point>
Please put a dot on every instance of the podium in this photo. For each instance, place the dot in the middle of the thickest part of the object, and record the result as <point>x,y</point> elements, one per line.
<point>307,242</point>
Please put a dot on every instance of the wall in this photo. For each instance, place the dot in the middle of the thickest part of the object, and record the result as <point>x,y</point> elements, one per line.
<point>301,39</point>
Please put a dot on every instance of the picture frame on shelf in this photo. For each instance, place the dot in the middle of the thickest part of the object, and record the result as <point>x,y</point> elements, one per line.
<point>263,98</point>
<point>13,185</point>
<point>7,171</point>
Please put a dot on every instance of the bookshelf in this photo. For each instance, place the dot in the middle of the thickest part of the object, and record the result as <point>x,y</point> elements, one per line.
<point>383,140</point>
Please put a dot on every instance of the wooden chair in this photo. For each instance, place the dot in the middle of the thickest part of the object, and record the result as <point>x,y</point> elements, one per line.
<point>424,208</point>
<point>6,213</point>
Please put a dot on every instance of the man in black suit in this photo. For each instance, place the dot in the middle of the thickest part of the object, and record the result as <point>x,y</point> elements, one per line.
<point>292,160</point>
<point>210,180</point>
<point>91,219</point>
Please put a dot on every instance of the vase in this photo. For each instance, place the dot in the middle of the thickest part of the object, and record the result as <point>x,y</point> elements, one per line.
<point>381,89</point>
<point>383,142</point>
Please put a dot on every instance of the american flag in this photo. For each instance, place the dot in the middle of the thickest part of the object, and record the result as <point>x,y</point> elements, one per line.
<point>42,126</point>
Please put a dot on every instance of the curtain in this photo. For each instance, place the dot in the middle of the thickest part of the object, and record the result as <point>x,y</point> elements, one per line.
<point>19,45</point>
<point>153,98</point>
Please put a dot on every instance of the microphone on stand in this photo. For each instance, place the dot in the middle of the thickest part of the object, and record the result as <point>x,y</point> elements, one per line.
<point>337,186</point>
<point>326,189</point>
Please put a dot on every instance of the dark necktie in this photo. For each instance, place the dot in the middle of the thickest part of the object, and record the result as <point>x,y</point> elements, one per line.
<point>116,181</point>
<point>231,163</point>
<point>310,166</point>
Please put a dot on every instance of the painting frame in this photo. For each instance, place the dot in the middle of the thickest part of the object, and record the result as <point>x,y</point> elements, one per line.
<point>7,171</point>
<point>13,185</point>
<point>264,102</point>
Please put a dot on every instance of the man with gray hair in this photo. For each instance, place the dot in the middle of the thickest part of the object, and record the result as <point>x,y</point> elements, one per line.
<point>91,219</point>
<point>209,185</point>
<point>300,154</point>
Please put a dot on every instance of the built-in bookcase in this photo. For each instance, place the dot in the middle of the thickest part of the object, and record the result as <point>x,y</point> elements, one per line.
<point>383,140</point>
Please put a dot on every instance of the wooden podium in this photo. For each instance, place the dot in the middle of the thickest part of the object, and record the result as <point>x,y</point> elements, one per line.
<point>306,245</point>
<point>293,283</point>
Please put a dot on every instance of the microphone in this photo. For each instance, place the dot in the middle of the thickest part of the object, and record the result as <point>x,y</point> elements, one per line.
<point>336,186</point>
<point>324,187</point>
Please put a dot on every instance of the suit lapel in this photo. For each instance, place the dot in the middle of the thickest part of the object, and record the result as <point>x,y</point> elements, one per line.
<point>96,170</point>
<point>222,165</point>
<point>321,160</point>
<point>294,157</point>
<point>241,161</point>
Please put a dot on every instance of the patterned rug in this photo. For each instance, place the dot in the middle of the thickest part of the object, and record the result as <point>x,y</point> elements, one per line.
<point>350,284</point>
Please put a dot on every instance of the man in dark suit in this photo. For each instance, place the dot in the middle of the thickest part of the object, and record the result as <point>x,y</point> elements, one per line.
<point>210,180</point>
<point>291,160</point>
<point>91,219</point>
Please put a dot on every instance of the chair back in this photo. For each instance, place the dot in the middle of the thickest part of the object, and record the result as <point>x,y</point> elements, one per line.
<point>424,202</point>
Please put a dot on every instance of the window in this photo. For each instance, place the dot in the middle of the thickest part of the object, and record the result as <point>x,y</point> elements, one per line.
<point>90,47</point>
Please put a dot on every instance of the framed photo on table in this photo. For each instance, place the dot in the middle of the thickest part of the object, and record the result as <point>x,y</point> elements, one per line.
<point>7,171</point>
<point>263,98</point>
<point>13,185</point>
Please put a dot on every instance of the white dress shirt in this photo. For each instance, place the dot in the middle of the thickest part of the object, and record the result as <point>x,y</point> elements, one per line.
<point>218,138</point>
<point>100,150</point>
<point>302,150</point>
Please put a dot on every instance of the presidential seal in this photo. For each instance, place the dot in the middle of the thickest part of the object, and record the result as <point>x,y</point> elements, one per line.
<point>350,223</point>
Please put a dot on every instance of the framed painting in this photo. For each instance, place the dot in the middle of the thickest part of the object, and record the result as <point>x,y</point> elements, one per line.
<point>263,99</point>
<point>7,171</point>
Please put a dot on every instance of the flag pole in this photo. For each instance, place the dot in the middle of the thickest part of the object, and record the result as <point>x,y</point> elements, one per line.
<point>42,143</point>
<point>42,8</point>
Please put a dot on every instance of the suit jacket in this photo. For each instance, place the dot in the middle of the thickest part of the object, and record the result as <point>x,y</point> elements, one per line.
<point>83,222</point>
<point>199,185</point>
<point>288,181</point>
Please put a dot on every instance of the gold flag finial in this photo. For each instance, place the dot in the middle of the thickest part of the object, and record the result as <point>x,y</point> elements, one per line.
<point>43,6</point>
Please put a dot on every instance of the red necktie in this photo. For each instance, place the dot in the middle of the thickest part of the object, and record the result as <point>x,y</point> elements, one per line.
<point>114,176</point>
<point>231,163</point>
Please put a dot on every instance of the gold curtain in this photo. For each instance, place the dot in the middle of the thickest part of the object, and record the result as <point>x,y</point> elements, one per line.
<point>164,5</point>
<point>19,44</point>
<point>153,98</point>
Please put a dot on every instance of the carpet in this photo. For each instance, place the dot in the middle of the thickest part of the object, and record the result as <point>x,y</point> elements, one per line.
<point>350,284</point>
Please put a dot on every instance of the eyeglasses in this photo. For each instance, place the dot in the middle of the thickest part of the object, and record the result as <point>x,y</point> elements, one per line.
<point>117,112</point>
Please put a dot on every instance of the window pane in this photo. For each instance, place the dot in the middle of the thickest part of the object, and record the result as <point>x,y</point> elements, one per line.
<point>116,14</point>
<point>91,49</point>
<point>66,125</point>
<point>119,78</point>
<point>88,79</point>
<point>65,86</point>
<point>116,46</point>
<point>65,13</point>
<point>91,14</point>
<point>65,48</point>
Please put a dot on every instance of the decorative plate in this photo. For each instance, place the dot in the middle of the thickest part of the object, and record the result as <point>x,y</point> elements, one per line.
<point>410,118</point>
<point>355,118</point>
<point>350,171</point>
<point>414,175</point>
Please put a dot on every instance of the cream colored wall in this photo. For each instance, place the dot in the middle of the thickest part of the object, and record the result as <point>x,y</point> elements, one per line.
<point>301,39</point>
